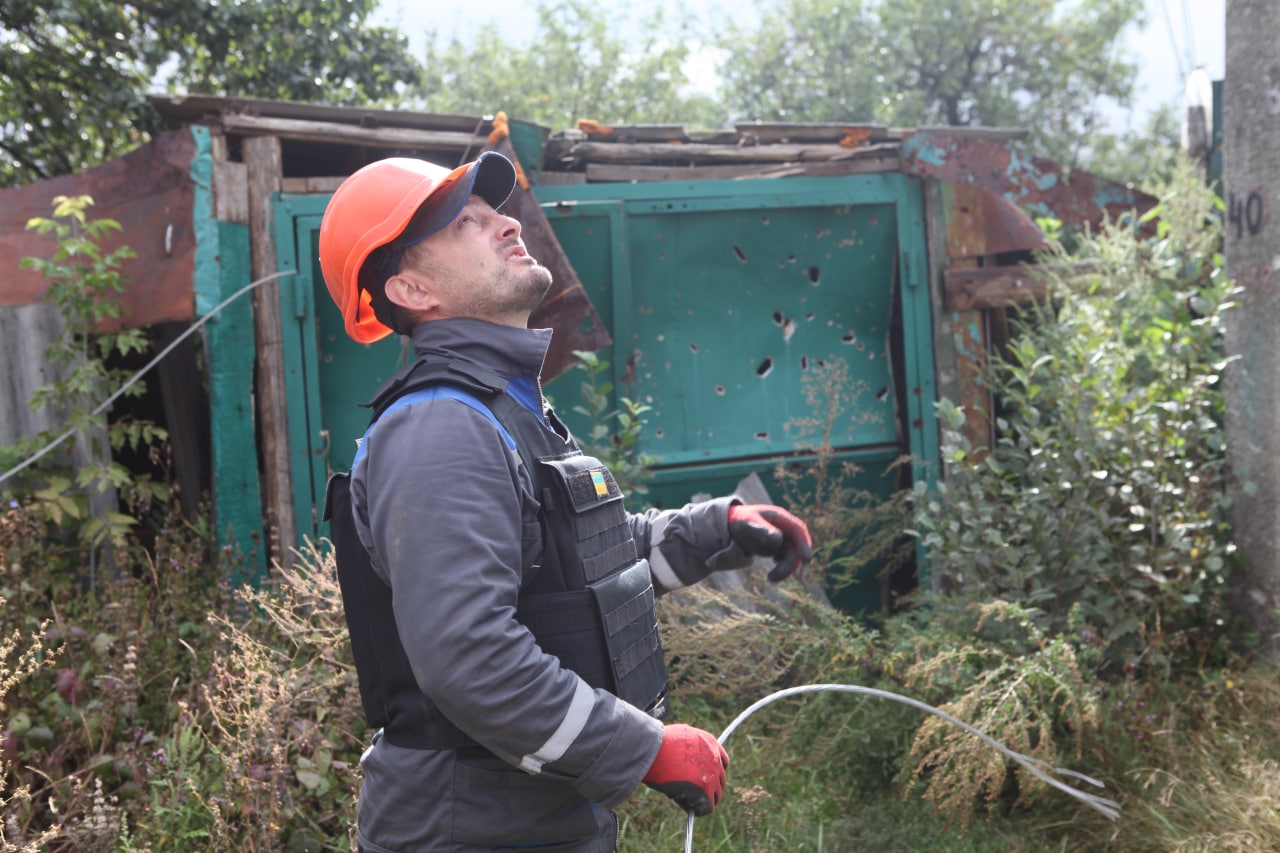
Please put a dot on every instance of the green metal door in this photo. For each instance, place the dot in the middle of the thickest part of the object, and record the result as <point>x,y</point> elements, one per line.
<point>726,299</point>
<point>721,297</point>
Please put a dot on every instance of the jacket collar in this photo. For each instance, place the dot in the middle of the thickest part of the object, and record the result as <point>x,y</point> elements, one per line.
<point>505,350</point>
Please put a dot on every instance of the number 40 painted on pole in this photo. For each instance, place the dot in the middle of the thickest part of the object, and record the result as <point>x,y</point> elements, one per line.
<point>1247,216</point>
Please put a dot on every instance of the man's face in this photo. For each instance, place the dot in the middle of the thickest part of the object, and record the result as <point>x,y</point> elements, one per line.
<point>478,267</point>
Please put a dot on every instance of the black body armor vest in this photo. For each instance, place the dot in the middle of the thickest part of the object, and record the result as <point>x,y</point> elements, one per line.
<point>588,599</point>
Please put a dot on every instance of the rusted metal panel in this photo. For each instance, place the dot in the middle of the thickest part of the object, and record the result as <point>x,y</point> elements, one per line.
<point>991,287</point>
<point>981,223</point>
<point>1042,186</point>
<point>149,192</point>
<point>968,334</point>
<point>567,307</point>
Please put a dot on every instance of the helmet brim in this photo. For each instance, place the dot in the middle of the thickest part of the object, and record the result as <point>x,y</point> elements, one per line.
<point>490,176</point>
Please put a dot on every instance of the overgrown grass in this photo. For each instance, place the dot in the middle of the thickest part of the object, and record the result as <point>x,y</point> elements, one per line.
<point>1191,760</point>
<point>252,743</point>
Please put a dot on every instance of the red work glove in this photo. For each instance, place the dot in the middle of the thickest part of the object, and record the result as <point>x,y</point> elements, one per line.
<point>690,768</point>
<point>771,531</point>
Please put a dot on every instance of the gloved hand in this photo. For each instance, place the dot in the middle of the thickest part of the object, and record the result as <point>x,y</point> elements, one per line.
<point>771,531</point>
<point>690,768</point>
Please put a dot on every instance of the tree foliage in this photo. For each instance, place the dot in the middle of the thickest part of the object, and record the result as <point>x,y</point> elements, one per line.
<point>807,60</point>
<point>577,67</point>
<point>1037,64</point>
<point>1147,156</point>
<point>74,73</point>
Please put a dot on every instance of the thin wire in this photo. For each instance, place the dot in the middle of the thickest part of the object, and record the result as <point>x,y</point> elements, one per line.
<point>1173,41</point>
<point>1189,32</point>
<point>1035,766</point>
<point>107,402</point>
<point>466,153</point>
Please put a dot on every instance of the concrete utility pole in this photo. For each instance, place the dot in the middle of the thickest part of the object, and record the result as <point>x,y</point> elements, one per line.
<point>1251,185</point>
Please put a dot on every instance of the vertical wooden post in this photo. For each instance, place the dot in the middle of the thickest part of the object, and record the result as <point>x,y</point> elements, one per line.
<point>1251,124</point>
<point>262,157</point>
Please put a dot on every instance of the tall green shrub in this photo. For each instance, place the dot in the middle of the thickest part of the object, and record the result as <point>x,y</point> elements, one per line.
<point>1102,503</point>
<point>85,282</point>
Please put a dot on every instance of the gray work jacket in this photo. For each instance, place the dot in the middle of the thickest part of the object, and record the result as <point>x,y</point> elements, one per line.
<point>446,512</point>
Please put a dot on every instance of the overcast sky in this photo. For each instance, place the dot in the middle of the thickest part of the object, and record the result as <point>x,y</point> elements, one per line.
<point>1179,35</point>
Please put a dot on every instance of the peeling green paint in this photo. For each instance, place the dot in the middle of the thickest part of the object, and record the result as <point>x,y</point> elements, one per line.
<point>1107,193</point>
<point>923,149</point>
<point>206,229</point>
<point>222,268</point>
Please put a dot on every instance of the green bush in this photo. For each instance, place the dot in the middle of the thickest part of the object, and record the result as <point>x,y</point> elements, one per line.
<point>1102,504</point>
<point>85,282</point>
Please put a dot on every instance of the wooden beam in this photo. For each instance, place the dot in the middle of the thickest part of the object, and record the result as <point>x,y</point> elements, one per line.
<point>185,414</point>
<point>262,157</point>
<point>606,152</point>
<point>626,173</point>
<point>991,287</point>
<point>231,192</point>
<point>374,137</point>
<point>315,185</point>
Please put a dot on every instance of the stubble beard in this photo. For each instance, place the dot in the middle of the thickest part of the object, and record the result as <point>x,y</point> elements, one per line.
<point>512,292</point>
<point>535,285</point>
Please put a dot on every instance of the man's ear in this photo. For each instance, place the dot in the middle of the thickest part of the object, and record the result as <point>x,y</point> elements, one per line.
<point>410,291</point>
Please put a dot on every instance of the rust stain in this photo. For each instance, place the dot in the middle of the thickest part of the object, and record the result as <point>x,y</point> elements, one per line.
<point>981,223</point>
<point>591,127</point>
<point>567,307</point>
<point>1037,184</point>
<point>970,338</point>
<point>854,136</point>
<point>149,192</point>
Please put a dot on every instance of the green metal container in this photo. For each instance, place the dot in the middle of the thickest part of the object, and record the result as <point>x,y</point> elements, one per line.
<point>724,299</point>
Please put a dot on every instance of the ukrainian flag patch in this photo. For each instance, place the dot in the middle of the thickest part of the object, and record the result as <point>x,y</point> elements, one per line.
<point>597,479</point>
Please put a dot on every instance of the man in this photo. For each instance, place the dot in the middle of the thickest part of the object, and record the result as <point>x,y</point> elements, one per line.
<point>503,620</point>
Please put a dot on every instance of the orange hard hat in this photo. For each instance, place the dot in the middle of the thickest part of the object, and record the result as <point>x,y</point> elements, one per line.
<point>395,202</point>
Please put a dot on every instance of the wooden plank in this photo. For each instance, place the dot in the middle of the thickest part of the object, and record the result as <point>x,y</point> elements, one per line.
<point>807,132</point>
<point>231,192</point>
<point>604,152</point>
<point>262,156</point>
<point>183,399</point>
<point>629,173</point>
<point>946,354</point>
<point>991,287</point>
<point>26,331</point>
<point>229,359</point>
<point>632,133</point>
<point>320,131</point>
<point>310,186</point>
<point>149,192</point>
<point>548,179</point>
<point>208,109</point>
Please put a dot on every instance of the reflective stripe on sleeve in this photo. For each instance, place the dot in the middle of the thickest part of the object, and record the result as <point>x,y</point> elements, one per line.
<point>584,700</point>
<point>663,574</point>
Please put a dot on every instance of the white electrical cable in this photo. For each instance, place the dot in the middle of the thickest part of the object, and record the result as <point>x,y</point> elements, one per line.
<point>107,402</point>
<point>1035,766</point>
